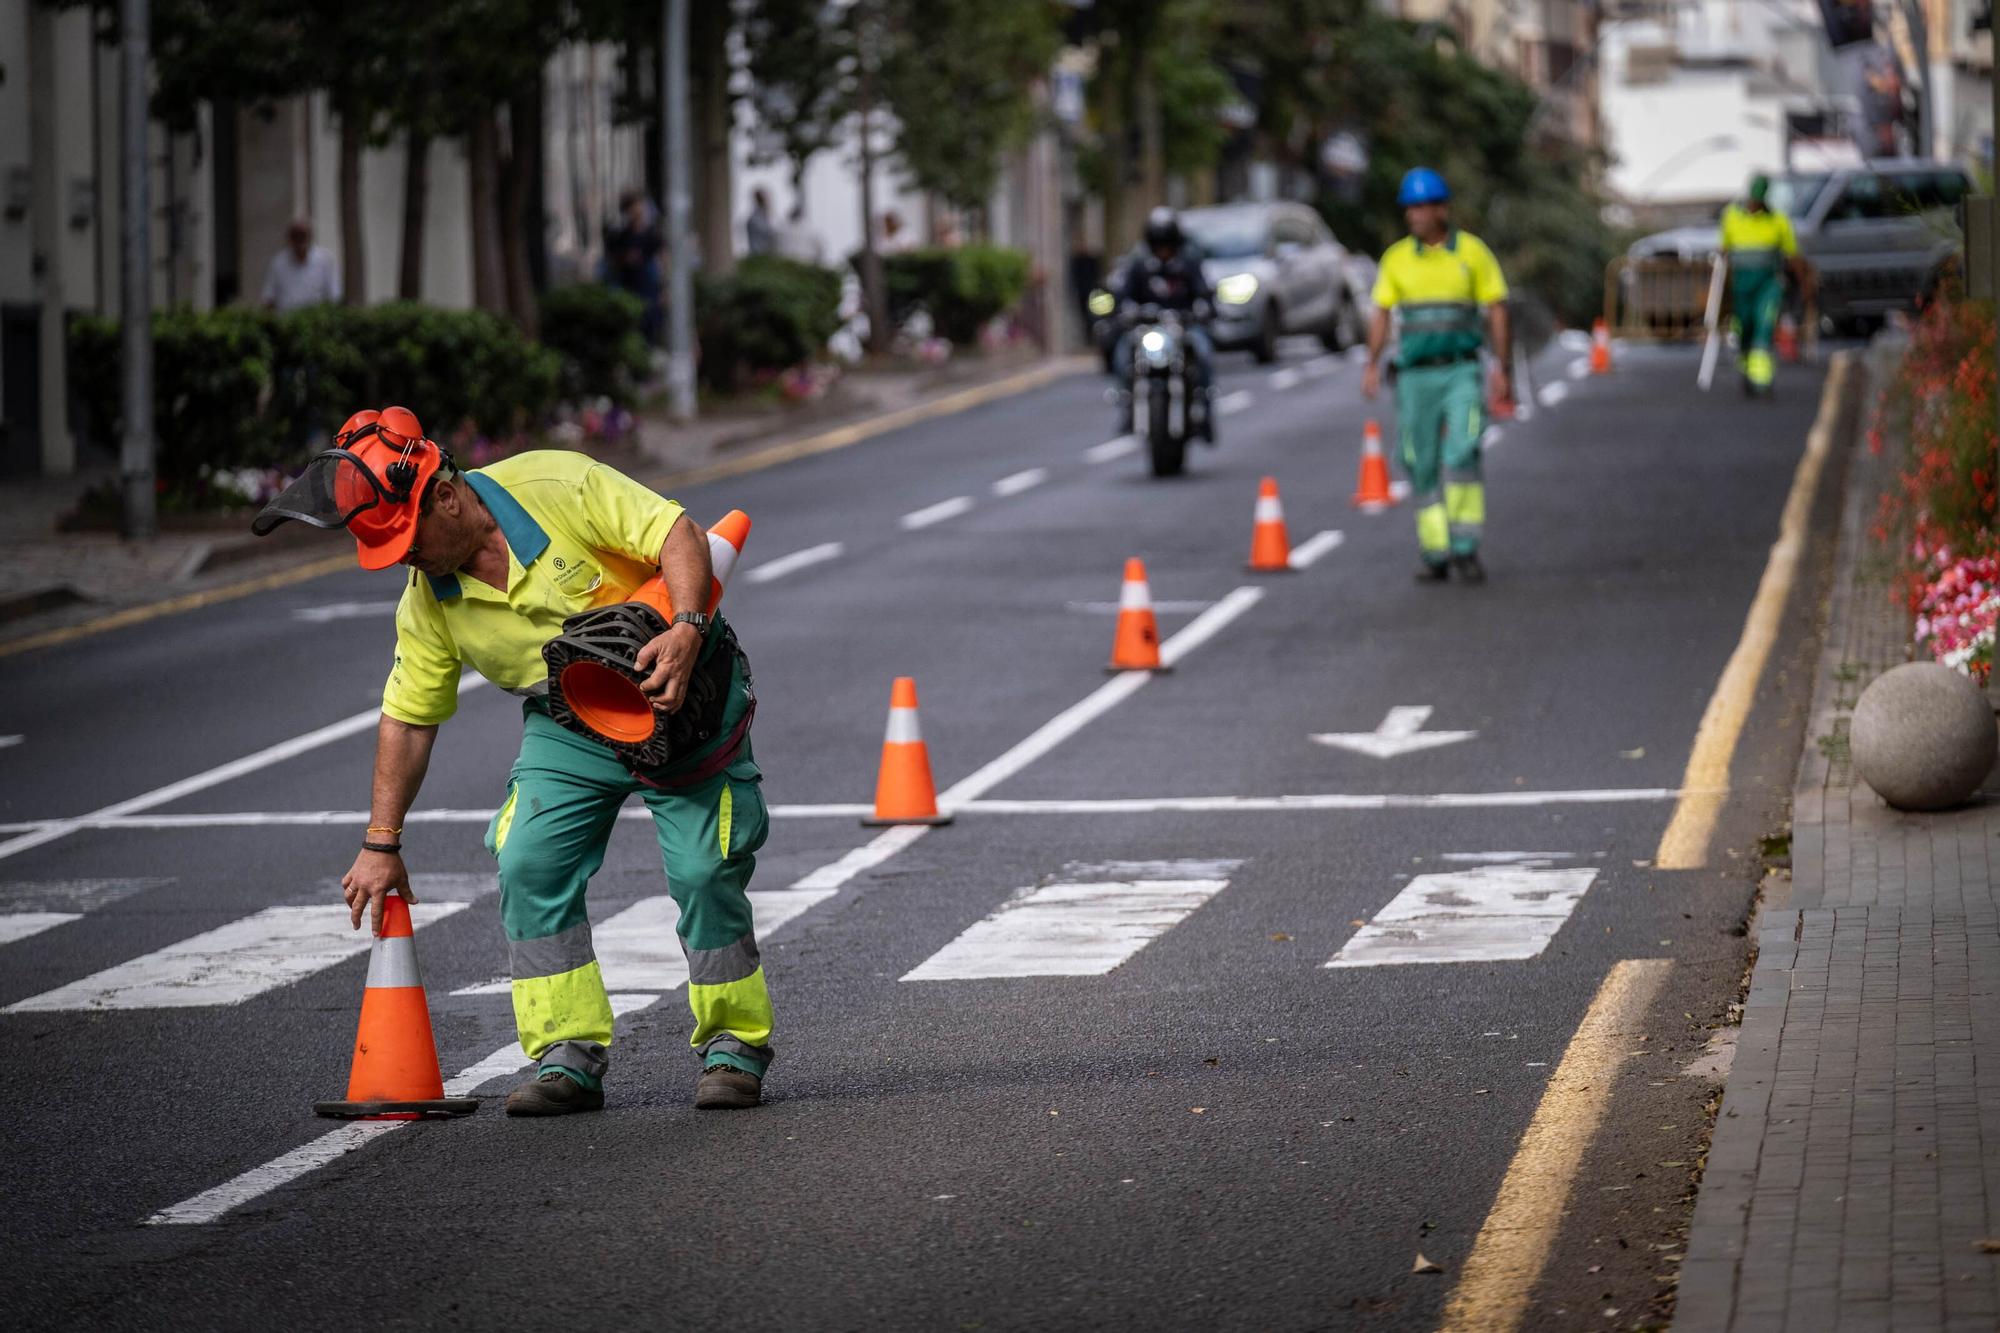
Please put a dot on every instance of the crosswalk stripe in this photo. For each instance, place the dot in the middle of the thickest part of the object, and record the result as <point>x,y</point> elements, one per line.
<point>1083,926</point>
<point>20,925</point>
<point>1486,914</point>
<point>227,965</point>
<point>637,949</point>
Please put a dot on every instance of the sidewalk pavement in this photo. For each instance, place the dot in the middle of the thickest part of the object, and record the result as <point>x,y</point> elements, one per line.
<point>51,581</point>
<point>1854,1177</point>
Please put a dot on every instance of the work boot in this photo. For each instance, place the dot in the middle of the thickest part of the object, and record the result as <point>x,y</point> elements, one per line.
<point>1468,567</point>
<point>1433,571</point>
<point>552,1092</point>
<point>727,1088</point>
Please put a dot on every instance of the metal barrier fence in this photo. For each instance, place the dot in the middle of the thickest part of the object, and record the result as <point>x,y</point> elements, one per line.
<point>1661,299</point>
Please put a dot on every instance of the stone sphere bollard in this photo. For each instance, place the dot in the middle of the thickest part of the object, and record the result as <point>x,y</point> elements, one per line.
<point>1923,736</point>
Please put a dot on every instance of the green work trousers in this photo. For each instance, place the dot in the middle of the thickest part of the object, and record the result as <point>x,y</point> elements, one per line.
<point>1758,293</point>
<point>549,838</point>
<point>1440,417</point>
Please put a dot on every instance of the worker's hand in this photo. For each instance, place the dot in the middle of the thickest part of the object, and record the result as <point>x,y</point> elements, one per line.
<point>668,661</point>
<point>369,880</point>
<point>1371,380</point>
<point>1503,383</point>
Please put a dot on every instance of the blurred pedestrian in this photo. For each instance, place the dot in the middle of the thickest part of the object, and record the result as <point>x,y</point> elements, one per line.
<point>302,274</point>
<point>1761,247</point>
<point>760,233</point>
<point>1438,278</point>
<point>632,250</point>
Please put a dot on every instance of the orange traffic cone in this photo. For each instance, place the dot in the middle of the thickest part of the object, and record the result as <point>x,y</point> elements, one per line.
<point>395,1071</point>
<point>725,543</point>
<point>1136,647</point>
<point>1497,407</point>
<point>1600,349</point>
<point>1270,547</point>
<point>1788,340</point>
<point>904,792</point>
<point>1372,492</point>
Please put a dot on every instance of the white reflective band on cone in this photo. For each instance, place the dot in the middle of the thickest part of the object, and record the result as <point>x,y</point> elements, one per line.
<point>1136,595</point>
<point>1268,509</point>
<point>903,729</point>
<point>721,558</point>
<point>393,962</point>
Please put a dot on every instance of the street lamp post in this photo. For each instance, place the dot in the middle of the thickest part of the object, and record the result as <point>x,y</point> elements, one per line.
<point>135,453</point>
<point>680,213</point>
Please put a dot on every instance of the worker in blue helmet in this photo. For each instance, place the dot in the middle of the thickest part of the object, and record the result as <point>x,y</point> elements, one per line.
<point>1444,288</point>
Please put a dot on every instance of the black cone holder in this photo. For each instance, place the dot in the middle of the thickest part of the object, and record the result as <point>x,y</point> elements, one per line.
<point>609,637</point>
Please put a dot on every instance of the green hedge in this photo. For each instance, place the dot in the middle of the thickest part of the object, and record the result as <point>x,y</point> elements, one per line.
<point>768,315</point>
<point>596,331</point>
<point>242,388</point>
<point>962,288</point>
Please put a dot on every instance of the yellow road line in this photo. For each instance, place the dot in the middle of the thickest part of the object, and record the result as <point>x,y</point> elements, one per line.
<point>842,436</point>
<point>175,605</point>
<point>735,467</point>
<point>1705,786</point>
<point>1513,1246</point>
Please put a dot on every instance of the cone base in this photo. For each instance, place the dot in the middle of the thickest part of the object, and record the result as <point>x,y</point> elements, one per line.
<point>1372,506</point>
<point>397,1110</point>
<point>1285,568</point>
<point>1113,669</point>
<point>877,821</point>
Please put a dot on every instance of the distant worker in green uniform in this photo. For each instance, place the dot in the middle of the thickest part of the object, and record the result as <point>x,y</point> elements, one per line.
<point>1438,279</point>
<point>1760,246</point>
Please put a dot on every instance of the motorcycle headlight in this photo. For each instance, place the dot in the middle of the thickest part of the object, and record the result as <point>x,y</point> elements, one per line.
<point>1102,303</point>
<point>1236,289</point>
<point>1156,347</point>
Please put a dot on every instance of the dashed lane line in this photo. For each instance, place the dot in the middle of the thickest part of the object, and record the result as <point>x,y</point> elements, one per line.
<point>1230,404</point>
<point>1025,480</point>
<point>9,741</point>
<point>1288,378</point>
<point>918,519</point>
<point>1578,369</point>
<point>797,560</point>
<point>1307,552</point>
<point>1116,447</point>
<point>1553,393</point>
<point>1113,608</point>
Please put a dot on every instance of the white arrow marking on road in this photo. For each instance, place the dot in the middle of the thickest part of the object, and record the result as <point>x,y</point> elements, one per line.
<point>343,611</point>
<point>1462,916</point>
<point>937,513</point>
<point>1021,481</point>
<point>1231,404</point>
<point>6,741</point>
<point>1400,733</point>
<point>1311,549</point>
<point>786,564</point>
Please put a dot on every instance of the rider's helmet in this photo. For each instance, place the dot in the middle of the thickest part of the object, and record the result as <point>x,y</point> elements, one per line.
<point>1421,185</point>
<point>1163,229</point>
<point>370,482</point>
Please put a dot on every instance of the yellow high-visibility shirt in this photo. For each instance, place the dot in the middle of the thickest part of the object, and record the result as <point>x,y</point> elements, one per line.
<point>579,535</point>
<point>1438,290</point>
<point>1757,240</point>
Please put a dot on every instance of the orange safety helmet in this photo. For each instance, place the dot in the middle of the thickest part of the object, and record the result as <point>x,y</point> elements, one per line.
<point>370,482</point>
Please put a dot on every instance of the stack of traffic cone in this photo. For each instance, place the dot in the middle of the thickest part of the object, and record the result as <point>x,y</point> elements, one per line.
<point>395,1071</point>
<point>1497,407</point>
<point>725,543</point>
<point>1788,340</point>
<point>1270,545</point>
<point>904,792</point>
<point>1600,349</point>
<point>1372,492</point>
<point>1136,646</point>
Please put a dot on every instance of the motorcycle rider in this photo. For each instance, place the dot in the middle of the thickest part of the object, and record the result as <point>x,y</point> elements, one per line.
<point>1168,275</point>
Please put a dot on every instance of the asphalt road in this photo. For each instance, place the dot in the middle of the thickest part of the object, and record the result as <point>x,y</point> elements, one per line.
<point>1218,1132</point>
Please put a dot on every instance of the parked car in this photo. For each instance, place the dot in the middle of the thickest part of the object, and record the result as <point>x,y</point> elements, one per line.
<point>1880,235</point>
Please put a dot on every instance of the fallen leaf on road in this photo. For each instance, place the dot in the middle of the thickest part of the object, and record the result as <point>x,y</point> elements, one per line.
<point>1989,1245</point>
<point>1480,1092</point>
<point>1357,921</point>
<point>1198,1110</point>
<point>1055,1113</point>
<point>1639,753</point>
<point>1424,1265</point>
<point>1279,937</point>
<point>1595,1268</point>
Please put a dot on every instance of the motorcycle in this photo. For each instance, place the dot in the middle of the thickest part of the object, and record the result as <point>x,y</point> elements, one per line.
<point>1168,405</point>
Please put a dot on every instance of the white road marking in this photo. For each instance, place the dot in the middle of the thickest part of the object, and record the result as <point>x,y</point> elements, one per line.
<point>1113,608</point>
<point>1399,490</point>
<point>1082,927</point>
<point>1232,403</point>
<point>1025,480</point>
<point>227,965</point>
<point>1487,914</point>
<point>1553,393</point>
<point>20,925</point>
<point>214,777</point>
<point>72,895</point>
<point>937,513</point>
<point>797,560</point>
<point>337,1143</point>
<point>8,741</point>
<point>1399,733</point>
<point>343,611</point>
<point>1288,378</point>
<point>1116,447</point>
<point>1574,340</point>
<point>637,949</point>
<point>1497,858</point>
<point>1578,369</point>
<point>1312,548</point>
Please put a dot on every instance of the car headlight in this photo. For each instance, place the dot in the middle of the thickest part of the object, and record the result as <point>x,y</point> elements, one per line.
<point>1237,288</point>
<point>1102,303</point>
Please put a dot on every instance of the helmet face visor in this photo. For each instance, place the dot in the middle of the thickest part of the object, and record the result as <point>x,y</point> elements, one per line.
<point>339,489</point>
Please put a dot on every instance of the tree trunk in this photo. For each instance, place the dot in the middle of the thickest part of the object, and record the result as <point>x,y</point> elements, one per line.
<point>353,252</point>
<point>1111,86</point>
<point>489,285</point>
<point>714,186</point>
<point>872,286</point>
<point>519,225</point>
<point>1152,136</point>
<point>416,202</point>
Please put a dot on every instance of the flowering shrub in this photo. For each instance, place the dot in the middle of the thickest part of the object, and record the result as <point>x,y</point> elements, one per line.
<point>1957,609</point>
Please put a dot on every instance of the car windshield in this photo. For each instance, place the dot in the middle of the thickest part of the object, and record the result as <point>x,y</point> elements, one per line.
<point>1224,236</point>
<point>1794,195</point>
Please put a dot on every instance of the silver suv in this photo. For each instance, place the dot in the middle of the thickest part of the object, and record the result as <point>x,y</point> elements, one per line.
<point>1276,269</point>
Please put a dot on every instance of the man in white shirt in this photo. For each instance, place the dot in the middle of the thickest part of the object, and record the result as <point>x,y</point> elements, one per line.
<point>302,273</point>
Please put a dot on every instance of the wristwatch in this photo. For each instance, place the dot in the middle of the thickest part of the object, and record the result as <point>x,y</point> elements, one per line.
<point>695,618</point>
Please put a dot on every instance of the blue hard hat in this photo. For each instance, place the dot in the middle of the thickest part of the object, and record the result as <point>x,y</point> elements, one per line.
<point>1421,185</point>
